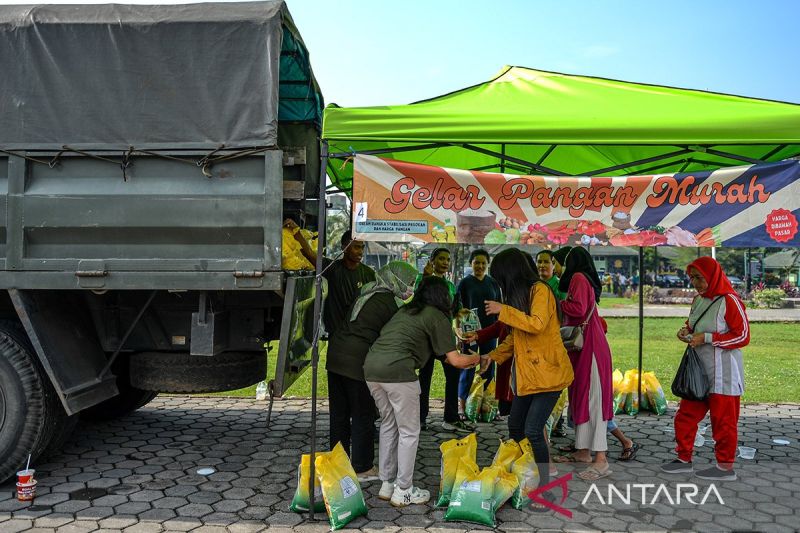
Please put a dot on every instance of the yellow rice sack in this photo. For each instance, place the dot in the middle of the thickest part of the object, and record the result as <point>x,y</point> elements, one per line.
<point>508,452</point>
<point>473,494</point>
<point>452,451</point>
<point>340,488</point>
<point>490,405</point>
<point>474,401</point>
<point>504,487</point>
<point>527,474</point>
<point>301,499</point>
<point>655,393</point>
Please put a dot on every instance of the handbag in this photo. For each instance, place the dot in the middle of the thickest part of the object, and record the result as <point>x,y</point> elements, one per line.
<point>572,336</point>
<point>691,381</point>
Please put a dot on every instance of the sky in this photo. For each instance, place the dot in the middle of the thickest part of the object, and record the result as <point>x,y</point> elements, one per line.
<point>376,52</point>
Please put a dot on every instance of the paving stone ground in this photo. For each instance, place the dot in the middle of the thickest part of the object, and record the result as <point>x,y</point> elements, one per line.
<point>139,474</point>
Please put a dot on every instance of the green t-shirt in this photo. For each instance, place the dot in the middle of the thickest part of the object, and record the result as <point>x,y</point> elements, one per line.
<point>343,288</point>
<point>553,282</point>
<point>406,343</point>
<point>348,347</point>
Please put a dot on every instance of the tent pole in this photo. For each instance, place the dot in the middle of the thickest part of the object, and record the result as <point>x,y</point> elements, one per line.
<point>641,320</point>
<point>321,213</point>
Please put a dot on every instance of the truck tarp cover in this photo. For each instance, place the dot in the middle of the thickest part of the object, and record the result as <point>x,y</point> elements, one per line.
<point>183,75</point>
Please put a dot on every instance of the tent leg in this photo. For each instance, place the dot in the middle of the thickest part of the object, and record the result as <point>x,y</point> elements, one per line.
<point>641,320</point>
<point>317,311</point>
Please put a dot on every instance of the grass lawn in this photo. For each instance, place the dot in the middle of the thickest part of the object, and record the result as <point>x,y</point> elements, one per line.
<point>772,360</point>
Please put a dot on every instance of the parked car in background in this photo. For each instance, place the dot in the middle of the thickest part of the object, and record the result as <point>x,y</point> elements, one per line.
<point>669,281</point>
<point>736,281</point>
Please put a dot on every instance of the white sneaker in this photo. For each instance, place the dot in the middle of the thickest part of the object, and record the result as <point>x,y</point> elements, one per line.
<point>387,489</point>
<point>401,498</point>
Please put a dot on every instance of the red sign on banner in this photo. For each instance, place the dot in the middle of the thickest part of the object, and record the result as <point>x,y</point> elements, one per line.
<point>781,225</point>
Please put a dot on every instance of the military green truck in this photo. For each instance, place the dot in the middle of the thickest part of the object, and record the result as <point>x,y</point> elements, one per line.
<point>148,156</point>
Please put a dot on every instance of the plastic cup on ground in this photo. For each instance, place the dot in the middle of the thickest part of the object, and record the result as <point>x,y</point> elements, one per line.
<point>699,440</point>
<point>781,442</point>
<point>25,476</point>
<point>26,491</point>
<point>746,452</point>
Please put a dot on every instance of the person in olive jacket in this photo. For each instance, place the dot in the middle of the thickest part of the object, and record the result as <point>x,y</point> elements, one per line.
<point>541,367</point>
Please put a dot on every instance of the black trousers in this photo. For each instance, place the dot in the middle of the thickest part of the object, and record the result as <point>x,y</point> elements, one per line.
<point>352,419</point>
<point>527,419</point>
<point>451,375</point>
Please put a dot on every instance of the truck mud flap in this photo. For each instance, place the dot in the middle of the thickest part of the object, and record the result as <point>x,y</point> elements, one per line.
<point>60,330</point>
<point>297,332</point>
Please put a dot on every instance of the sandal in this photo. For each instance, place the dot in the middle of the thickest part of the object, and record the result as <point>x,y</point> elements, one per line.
<point>569,458</point>
<point>567,448</point>
<point>593,474</point>
<point>628,454</point>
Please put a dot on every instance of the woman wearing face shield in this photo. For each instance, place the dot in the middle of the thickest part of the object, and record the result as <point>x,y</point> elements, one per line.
<point>352,409</point>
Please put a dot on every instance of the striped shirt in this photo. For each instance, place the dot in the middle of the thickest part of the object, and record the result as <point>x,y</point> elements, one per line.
<point>727,330</point>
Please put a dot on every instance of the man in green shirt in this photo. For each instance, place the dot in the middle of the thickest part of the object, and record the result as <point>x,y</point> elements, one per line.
<point>352,409</point>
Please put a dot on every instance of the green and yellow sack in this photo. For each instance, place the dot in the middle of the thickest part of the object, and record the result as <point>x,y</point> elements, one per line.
<point>340,488</point>
<point>472,499</point>
<point>490,405</point>
<point>508,452</point>
<point>475,399</point>
<point>527,474</point>
<point>301,499</point>
<point>452,451</point>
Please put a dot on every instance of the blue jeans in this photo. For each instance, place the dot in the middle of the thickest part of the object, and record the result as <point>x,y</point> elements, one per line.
<point>468,374</point>
<point>527,419</point>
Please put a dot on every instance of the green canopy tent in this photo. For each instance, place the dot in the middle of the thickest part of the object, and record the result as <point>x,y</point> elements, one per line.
<point>529,121</point>
<point>535,122</point>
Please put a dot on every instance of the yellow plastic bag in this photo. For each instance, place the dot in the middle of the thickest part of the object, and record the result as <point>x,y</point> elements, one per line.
<point>489,406</point>
<point>473,494</point>
<point>452,451</point>
<point>655,393</point>
<point>525,446</point>
<point>292,257</point>
<point>301,498</point>
<point>475,398</point>
<point>630,385</point>
<point>504,487</point>
<point>340,488</point>
<point>557,411</point>
<point>506,454</point>
<point>616,378</point>
<point>527,474</point>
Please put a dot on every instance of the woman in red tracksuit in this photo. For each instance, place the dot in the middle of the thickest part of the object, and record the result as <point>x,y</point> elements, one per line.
<point>717,328</point>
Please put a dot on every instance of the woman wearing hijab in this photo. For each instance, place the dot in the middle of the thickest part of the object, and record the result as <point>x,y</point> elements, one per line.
<point>414,335</point>
<point>541,369</point>
<point>352,409</point>
<point>717,328</point>
<point>591,393</point>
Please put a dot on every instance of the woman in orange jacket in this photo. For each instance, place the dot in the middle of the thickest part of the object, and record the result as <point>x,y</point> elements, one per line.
<point>541,367</point>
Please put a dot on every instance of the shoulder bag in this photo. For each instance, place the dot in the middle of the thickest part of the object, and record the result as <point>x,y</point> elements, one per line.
<point>691,381</point>
<point>572,336</point>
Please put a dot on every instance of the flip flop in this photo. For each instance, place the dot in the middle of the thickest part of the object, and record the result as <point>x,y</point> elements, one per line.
<point>593,474</point>
<point>567,448</point>
<point>628,454</point>
<point>568,459</point>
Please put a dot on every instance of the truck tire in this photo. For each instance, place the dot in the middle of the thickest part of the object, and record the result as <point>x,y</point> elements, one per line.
<point>183,373</point>
<point>127,401</point>
<point>31,416</point>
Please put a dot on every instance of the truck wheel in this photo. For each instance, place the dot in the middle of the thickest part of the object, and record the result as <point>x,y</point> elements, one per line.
<point>127,401</point>
<point>183,373</point>
<point>31,415</point>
